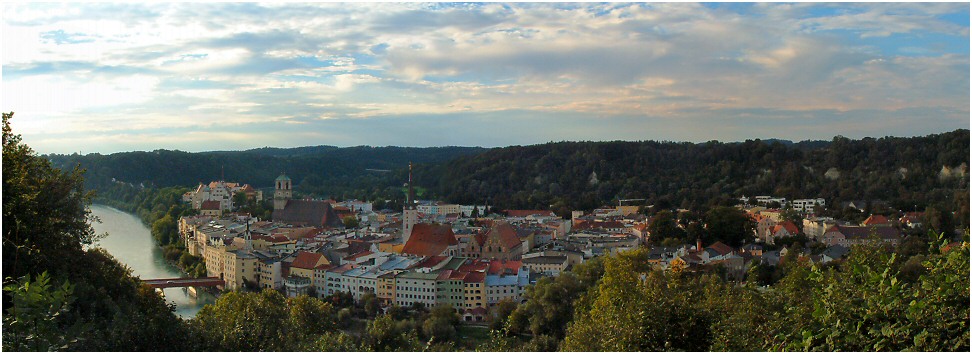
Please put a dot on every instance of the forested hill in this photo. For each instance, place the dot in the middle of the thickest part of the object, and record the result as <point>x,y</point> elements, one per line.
<point>585,175</point>
<point>906,173</point>
<point>315,170</point>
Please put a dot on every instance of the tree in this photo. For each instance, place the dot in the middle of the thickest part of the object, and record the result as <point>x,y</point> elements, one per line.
<point>240,201</point>
<point>246,322</point>
<point>36,321</point>
<point>45,228</point>
<point>664,226</point>
<point>729,225</point>
<point>350,222</point>
<point>499,313</point>
<point>441,324</point>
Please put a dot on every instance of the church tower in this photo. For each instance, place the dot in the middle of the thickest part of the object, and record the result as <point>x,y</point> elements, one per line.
<point>282,192</point>
<point>409,214</point>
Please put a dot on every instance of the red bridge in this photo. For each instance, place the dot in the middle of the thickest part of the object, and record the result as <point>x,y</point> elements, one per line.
<point>182,282</point>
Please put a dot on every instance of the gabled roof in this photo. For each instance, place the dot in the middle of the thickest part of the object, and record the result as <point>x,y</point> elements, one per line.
<point>504,233</point>
<point>720,248</point>
<point>308,212</point>
<point>876,219</point>
<point>501,267</point>
<point>307,260</point>
<point>429,240</point>
<point>210,205</point>
<point>789,226</point>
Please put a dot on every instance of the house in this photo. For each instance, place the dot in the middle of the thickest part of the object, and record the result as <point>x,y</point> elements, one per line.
<point>210,208</point>
<point>753,249</point>
<point>853,235</point>
<point>764,227</point>
<point>876,219</point>
<point>546,265</point>
<point>431,240</point>
<point>912,219</point>
<point>783,229</point>
<point>833,253</point>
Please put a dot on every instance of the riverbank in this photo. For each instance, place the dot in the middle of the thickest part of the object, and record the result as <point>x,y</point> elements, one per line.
<point>128,240</point>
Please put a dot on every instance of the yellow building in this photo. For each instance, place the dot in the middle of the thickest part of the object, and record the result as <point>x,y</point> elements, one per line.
<point>239,267</point>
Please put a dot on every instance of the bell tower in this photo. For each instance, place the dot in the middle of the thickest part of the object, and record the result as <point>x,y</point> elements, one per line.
<point>282,192</point>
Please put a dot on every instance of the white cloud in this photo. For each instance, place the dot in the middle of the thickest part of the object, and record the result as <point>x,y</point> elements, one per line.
<point>187,65</point>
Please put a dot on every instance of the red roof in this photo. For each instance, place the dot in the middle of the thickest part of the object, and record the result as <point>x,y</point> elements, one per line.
<point>500,267</point>
<point>789,226</point>
<point>474,277</point>
<point>429,262</point>
<point>306,260</point>
<point>504,232</point>
<point>210,205</point>
<point>876,220</point>
<point>525,213</point>
<point>429,240</point>
<point>721,248</point>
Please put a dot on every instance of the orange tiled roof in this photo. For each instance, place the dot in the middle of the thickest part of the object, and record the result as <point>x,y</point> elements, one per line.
<point>876,220</point>
<point>429,240</point>
<point>306,260</point>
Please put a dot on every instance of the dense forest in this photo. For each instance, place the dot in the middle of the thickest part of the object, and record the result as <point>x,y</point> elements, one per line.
<point>322,171</point>
<point>903,173</point>
<point>906,173</point>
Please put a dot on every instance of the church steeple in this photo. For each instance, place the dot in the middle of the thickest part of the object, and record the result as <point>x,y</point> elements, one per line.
<point>409,214</point>
<point>410,203</point>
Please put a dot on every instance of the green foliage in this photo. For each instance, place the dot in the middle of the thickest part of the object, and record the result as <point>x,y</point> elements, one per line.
<point>46,225</point>
<point>866,303</point>
<point>44,217</point>
<point>35,321</point>
<point>729,225</point>
<point>665,226</point>
<point>264,321</point>
<point>549,305</point>
<point>350,222</point>
<point>700,176</point>
<point>385,334</point>
<point>441,324</point>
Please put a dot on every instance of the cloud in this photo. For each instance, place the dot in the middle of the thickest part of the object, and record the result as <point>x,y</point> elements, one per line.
<point>575,71</point>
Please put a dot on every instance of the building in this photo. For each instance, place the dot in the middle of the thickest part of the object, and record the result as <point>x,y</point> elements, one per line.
<point>431,240</point>
<point>239,268</point>
<point>855,235</point>
<point>546,265</point>
<point>807,205</point>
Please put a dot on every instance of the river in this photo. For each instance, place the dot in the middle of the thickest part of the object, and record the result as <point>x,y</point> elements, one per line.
<point>131,243</point>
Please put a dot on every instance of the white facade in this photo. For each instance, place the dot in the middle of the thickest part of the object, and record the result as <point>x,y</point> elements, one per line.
<point>807,205</point>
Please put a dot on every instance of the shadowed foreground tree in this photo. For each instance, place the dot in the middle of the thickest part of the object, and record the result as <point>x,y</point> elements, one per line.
<point>45,228</point>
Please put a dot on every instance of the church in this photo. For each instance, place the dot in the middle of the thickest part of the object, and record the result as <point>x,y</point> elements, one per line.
<point>316,213</point>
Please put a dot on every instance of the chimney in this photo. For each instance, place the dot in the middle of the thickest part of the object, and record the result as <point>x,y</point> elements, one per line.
<point>698,244</point>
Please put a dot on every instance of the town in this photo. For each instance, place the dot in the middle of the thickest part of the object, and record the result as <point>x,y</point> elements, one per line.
<point>471,257</point>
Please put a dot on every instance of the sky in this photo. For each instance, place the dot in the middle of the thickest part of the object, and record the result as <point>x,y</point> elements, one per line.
<point>112,77</point>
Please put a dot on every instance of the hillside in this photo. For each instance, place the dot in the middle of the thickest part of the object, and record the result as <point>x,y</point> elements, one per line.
<point>584,175</point>
<point>319,170</point>
<point>906,173</point>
